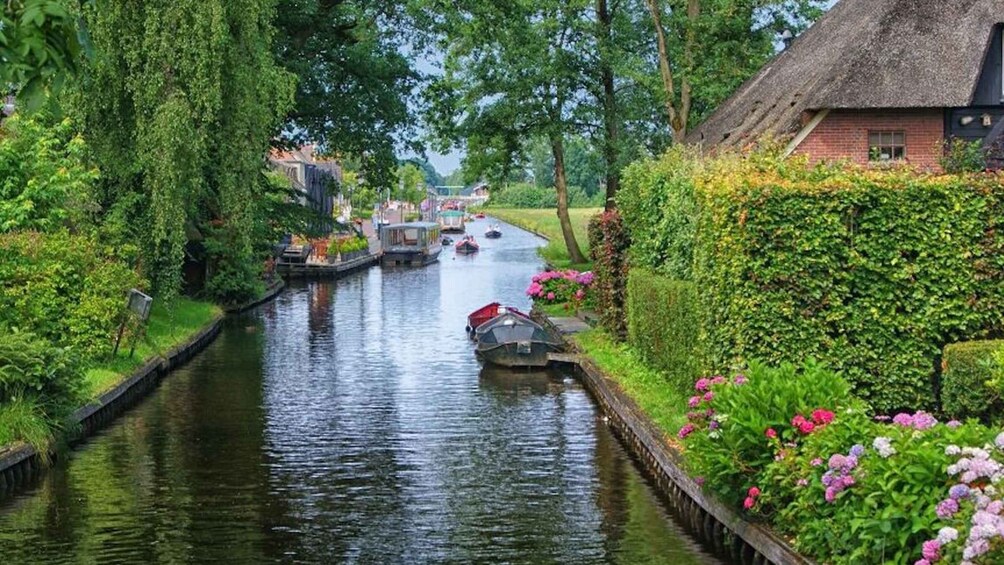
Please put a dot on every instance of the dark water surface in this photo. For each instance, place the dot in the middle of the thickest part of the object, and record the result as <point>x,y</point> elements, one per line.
<point>350,422</point>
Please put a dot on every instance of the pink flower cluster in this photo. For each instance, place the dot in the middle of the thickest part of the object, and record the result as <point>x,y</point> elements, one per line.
<point>702,413</point>
<point>919,421</point>
<point>561,286</point>
<point>840,475</point>
<point>751,496</point>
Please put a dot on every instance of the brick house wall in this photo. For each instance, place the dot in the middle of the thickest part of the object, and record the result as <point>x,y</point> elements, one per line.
<point>843,134</point>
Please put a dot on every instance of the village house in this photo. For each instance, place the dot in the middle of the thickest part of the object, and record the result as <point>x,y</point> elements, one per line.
<point>877,81</point>
<point>315,179</point>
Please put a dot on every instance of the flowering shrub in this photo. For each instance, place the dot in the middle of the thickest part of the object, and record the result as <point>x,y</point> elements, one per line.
<point>608,247</point>
<point>561,287</point>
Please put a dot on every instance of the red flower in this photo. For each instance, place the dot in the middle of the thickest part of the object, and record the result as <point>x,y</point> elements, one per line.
<point>822,417</point>
<point>771,433</point>
<point>749,503</point>
<point>806,427</point>
<point>798,420</point>
<point>753,492</point>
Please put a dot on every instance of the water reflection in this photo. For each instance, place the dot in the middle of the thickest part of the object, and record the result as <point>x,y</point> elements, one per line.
<point>350,422</point>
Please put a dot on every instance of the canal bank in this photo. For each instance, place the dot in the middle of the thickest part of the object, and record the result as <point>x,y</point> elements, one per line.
<point>350,421</point>
<point>732,536</point>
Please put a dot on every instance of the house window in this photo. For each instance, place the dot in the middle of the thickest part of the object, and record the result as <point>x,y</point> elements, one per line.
<point>886,145</point>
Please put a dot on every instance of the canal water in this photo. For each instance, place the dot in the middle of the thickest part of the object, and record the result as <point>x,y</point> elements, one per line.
<point>350,422</point>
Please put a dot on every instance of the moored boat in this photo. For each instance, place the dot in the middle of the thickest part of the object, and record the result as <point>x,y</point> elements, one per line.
<point>487,313</point>
<point>467,246</point>
<point>480,215</point>
<point>512,340</point>
<point>414,244</point>
<point>452,221</point>
<point>494,232</point>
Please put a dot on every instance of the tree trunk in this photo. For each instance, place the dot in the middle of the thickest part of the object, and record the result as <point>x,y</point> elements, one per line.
<point>610,141</point>
<point>678,125</point>
<point>561,185</point>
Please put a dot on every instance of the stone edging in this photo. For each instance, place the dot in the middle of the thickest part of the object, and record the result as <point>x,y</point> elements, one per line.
<point>19,463</point>
<point>718,525</point>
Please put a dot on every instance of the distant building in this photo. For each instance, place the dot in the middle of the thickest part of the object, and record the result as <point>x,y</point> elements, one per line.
<point>877,81</point>
<point>316,179</point>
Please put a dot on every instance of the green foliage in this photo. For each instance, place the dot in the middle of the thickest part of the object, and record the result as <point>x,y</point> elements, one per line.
<point>608,248</point>
<point>39,47</point>
<point>182,127</point>
<point>45,181</point>
<point>31,366</point>
<point>663,322</point>
<point>348,245</point>
<point>410,186</point>
<point>972,383</point>
<point>65,288</point>
<point>659,207</point>
<point>963,156</point>
<point>355,79</point>
<point>529,196</point>
<point>25,419</point>
<point>733,453</point>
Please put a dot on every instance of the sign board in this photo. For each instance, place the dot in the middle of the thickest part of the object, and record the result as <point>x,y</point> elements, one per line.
<point>139,304</point>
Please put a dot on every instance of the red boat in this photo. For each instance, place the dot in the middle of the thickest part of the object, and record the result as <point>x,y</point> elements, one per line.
<point>467,245</point>
<point>487,313</point>
<point>480,215</point>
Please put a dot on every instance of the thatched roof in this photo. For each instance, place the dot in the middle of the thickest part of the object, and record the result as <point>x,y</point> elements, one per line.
<point>863,54</point>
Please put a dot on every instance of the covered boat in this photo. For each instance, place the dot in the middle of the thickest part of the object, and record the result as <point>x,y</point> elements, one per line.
<point>413,244</point>
<point>512,340</point>
<point>467,245</point>
<point>494,232</point>
<point>452,221</point>
<point>487,313</point>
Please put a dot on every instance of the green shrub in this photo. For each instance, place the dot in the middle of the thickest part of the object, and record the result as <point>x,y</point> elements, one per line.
<point>33,367</point>
<point>608,248</point>
<point>963,156</point>
<point>65,288</point>
<point>663,325</point>
<point>523,195</point>
<point>972,377</point>
<point>730,448</point>
<point>658,204</point>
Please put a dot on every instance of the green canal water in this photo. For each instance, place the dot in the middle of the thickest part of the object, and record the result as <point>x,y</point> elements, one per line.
<point>349,422</point>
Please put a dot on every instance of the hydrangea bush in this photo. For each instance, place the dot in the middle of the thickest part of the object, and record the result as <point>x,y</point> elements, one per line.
<point>561,287</point>
<point>795,449</point>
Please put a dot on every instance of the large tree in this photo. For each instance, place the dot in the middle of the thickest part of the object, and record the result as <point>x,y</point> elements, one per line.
<point>180,103</point>
<point>511,75</point>
<point>39,46</point>
<point>355,79</point>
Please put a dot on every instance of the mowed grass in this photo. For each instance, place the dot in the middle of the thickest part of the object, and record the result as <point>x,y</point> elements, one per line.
<point>655,395</point>
<point>169,326</point>
<point>545,223</point>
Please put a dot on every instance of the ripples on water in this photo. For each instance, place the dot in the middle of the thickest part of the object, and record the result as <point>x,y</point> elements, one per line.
<point>350,422</point>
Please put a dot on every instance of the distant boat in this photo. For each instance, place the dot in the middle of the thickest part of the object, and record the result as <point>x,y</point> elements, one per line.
<point>512,340</point>
<point>447,241</point>
<point>493,232</point>
<point>467,245</point>
<point>480,215</point>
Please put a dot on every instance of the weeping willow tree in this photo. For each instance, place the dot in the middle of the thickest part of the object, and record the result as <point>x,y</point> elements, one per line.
<point>180,102</point>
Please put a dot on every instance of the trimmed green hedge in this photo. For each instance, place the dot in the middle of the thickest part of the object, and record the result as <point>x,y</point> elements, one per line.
<point>663,323</point>
<point>870,272</point>
<point>966,388</point>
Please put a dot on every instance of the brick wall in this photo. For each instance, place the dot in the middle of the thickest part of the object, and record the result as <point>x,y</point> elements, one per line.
<point>843,134</point>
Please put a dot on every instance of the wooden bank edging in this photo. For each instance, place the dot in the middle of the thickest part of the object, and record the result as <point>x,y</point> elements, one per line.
<point>718,525</point>
<point>323,271</point>
<point>276,287</point>
<point>19,463</point>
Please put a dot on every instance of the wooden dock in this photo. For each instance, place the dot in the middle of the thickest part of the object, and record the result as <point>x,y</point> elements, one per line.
<point>326,271</point>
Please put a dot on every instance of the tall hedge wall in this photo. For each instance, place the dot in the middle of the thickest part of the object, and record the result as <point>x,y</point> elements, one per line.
<point>871,272</point>
<point>663,324</point>
<point>972,370</point>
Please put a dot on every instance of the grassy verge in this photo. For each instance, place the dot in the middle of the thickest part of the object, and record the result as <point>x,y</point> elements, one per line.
<point>545,222</point>
<point>648,387</point>
<point>169,326</point>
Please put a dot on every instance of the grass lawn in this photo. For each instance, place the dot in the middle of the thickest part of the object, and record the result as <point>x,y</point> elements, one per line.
<point>169,325</point>
<point>545,222</point>
<point>649,388</point>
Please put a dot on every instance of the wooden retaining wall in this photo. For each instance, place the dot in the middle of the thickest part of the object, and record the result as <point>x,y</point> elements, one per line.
<point>273,290</point>
<point>20,464</point>
<point>718,526</point>
<point>320,271</point>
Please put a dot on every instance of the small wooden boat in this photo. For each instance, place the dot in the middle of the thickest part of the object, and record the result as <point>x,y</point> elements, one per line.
<point>447,241</point>
<point>467,246</point>
<point>511,340</point>
<point>480,215</point>
<point>487,313</point>
<point>493,232</point>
